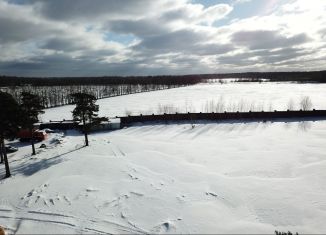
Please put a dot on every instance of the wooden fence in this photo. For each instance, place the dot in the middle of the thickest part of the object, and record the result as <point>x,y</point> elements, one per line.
<point>60,125</point>
<point>127,120</point>
<point>190,117</point>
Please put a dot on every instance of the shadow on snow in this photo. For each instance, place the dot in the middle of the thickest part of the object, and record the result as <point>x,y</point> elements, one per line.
<point>30,167</point>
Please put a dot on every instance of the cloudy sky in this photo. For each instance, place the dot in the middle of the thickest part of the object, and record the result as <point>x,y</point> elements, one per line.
<point>149,37</point>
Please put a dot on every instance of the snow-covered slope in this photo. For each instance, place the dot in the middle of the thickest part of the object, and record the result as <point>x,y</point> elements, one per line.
<point>234,96</point>
<point>213,178</point>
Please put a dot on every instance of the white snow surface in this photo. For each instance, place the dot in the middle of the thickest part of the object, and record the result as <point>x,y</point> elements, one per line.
<point>234,96</point>
<point>213,178</point>
<point>227,177</point>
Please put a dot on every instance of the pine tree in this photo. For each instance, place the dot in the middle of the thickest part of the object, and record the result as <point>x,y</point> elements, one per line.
<point>9,123</point>
<point>31,106</point>
<point>85,110</point>
<point>1,154</point>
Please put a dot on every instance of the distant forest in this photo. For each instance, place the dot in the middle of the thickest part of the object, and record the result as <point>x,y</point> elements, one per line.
<point>305,77</point>
<point>107,80</point>
<point>314,76</point>
<point>55,91</point>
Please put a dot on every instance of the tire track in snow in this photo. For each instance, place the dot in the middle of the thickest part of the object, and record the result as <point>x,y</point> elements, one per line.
<point>125,228</point>
<point>67,221</point>
<point>116,150</point>
<point>49,213</point>
<point>36,216</point>
<point>97,231</point>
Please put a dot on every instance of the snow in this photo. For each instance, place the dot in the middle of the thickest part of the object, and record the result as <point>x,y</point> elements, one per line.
<point>214,178</point>
<point>234,96</point>
<point>227,177</point>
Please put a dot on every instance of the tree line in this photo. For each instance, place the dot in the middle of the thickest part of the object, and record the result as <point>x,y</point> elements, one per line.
<point>304,77</point>
<point>53,96</point>
<point>167,80</point>
<point>55,91</point>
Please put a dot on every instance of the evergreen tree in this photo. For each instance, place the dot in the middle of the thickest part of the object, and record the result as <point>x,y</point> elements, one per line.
<point>85,110</point>
<point>1,154</point>
<point>9,123</point>
<point>31,106</point>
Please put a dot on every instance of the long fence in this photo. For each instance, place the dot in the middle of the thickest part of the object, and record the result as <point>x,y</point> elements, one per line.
<point>128,120</point>
<point>189,117</point>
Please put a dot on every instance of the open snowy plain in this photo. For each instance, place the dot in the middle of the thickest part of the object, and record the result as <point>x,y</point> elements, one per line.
<point>229,177</point>
<point>230,97</point>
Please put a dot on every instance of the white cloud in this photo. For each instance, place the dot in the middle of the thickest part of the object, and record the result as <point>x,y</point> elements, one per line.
<point>166,36</point>
<point>241,1</point>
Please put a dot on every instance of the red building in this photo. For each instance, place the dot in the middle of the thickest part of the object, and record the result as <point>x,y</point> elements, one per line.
<point>26,135</point>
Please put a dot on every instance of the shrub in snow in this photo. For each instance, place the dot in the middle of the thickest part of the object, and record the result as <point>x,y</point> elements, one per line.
<point>284,233</point>
<point>290,105</point>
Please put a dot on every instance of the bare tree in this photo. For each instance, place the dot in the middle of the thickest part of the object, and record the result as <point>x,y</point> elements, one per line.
<point>290,105</point>
<point>305,103</point>
<point>128,112</point>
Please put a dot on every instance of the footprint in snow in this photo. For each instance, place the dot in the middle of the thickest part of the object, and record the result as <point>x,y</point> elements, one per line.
<point>92,189</point>
<point>182,198</point>
<point>211,194</point>
<point>137,194</point>
<point>165,227</point>
<point>133,177</point>
<point>40,196</point>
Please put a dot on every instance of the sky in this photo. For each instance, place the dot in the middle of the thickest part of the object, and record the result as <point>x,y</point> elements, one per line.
<point>47,38</point>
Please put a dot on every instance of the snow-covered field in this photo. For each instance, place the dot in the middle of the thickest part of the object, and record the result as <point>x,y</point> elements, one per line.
<point>233,96</point>
<point>214,178</point>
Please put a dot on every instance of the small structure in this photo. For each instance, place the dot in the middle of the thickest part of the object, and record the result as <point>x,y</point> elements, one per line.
<point>26,135</point>
<point>113,124</point>
<point>59,125</point>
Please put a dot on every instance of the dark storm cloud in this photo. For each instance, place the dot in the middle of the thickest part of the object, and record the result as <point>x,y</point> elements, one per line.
<point>86,9</point>
<point>39,65</point>
<point>18,30</point>
<point>63,44</point>
<point>135,37</point>
<point>212,49</point>
<point>178,14</point>
<point>182,41</point>
<point>74,44</point>
<point>140,28</point>
<point>264,39</point>
<point>172,41</point>
<point>59,64</point>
